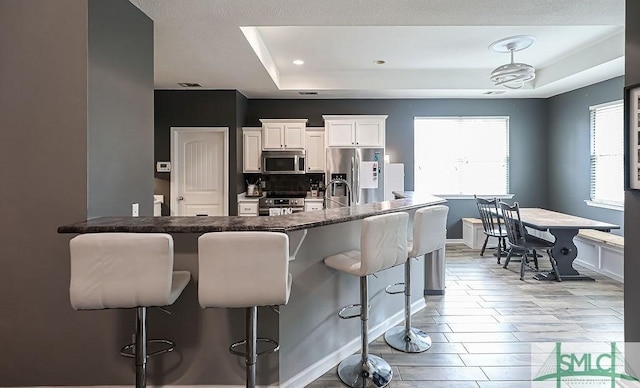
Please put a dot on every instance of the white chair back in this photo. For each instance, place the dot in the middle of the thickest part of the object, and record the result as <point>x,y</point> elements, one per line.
<point>429,230</point>
<point>243,269</point>
<point>383,242</point>
<point>121,270</point>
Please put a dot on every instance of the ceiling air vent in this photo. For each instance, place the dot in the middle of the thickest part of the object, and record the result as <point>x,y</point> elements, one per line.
<point>308,93</point>
<point>189,85</point>
<point>495,92</point>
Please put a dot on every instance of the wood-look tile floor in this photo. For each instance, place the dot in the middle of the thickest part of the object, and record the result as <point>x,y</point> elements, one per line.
<point>483,326</point>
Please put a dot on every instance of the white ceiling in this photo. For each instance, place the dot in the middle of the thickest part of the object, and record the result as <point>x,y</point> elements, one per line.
<point>432,48</point>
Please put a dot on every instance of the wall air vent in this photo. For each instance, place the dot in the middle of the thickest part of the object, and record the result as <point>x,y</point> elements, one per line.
<point>189,85</point>
<point>308,93</point>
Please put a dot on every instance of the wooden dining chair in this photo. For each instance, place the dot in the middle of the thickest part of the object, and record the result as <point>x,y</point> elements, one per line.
<point>522,241</point>
<point>492,225</point>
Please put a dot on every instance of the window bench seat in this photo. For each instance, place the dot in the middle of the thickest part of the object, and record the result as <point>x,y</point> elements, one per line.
<point>473,234</point>
<point>601,252</point>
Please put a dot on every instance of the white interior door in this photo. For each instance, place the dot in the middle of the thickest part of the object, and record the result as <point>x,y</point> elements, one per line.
<point>199,172</point>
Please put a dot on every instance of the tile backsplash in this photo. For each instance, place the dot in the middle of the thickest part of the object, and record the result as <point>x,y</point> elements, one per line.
<point>284,182</point>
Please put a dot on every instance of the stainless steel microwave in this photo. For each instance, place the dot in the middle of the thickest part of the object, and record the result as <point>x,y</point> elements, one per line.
<point>283,162</point>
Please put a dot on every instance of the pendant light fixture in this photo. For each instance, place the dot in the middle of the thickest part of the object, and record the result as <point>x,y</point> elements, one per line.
<point>512,75</point>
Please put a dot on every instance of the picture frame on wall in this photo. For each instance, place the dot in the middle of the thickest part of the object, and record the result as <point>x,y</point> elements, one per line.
<point>633,138</point>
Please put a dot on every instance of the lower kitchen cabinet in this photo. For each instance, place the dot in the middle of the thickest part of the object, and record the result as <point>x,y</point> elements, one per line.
<point>248,208</point>
<point>313,204</point>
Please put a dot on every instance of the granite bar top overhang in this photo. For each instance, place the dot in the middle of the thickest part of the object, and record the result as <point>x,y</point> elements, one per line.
<point>284,223</point>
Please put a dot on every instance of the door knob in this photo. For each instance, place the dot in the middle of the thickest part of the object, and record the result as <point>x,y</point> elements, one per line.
<point>181,198</point>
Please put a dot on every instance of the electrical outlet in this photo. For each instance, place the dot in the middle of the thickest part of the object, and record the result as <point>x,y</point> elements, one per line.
<point>135,212</point>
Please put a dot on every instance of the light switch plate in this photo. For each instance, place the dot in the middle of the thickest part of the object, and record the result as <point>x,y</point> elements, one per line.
<point>135,210</point>
<point>163,167</point>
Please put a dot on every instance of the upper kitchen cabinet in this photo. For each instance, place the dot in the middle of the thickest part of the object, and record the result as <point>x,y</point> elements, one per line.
<point>283,134</point>
<point>355,130</point>
<point>251,150</point>
<point>315,160</point>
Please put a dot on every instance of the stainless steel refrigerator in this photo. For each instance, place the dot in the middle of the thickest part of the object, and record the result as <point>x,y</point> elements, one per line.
<point>361,168</point>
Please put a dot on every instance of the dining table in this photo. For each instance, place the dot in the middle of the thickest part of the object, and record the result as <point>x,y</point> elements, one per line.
<point>563,227</point>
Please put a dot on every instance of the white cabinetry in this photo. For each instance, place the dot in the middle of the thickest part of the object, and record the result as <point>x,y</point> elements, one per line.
<point>283,134</point>
<point>316,155</point>
<point>313,204</point>
<point>354,130</point>
<point>251,150</point>
<point>247,207</point>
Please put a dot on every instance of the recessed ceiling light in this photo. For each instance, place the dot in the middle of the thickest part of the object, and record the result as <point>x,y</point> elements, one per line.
<point>189,85</point>
<point>298,62</point>
<point>379,62</point>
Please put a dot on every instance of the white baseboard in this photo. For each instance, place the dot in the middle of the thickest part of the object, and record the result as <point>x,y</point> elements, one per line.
<point>331,360</point>
<point>455,241</point>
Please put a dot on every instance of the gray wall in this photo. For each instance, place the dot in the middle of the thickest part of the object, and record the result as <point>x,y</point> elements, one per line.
<point>120,130</point>
<point>569,145</point>
<point>528,133</point>
<point>50,112</point>
<point>43,100</point>
<point>632,198</point>
<point>200,108</point>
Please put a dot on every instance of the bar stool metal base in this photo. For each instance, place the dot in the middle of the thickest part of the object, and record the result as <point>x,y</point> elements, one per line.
<point>407,338</point>
<point>376,373</point>
<point>250,344</point>
<point>413,341</point>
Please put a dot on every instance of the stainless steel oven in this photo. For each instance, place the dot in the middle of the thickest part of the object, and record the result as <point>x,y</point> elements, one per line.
<point>280,206</point>
<point>283,162</point>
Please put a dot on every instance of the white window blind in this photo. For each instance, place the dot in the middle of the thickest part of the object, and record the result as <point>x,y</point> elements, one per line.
<point>607,153</point>
<point>462,155</point>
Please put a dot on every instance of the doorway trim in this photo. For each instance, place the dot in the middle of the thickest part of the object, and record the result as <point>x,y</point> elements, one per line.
<point>175,165</point>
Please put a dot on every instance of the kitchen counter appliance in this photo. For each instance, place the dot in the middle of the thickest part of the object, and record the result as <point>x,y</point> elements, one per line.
<point>283,162</point>
<point>274,204</point>
<point>356,174</point>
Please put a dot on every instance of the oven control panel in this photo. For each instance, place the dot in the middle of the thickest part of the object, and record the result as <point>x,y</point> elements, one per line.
<point>278,206</point>
<point>284,201</point>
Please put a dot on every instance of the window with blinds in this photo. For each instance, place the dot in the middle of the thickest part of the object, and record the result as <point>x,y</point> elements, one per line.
<point>607,153</point>
<point>462,155</point>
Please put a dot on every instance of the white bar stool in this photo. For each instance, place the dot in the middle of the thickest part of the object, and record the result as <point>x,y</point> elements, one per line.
<point>126,270</point>
<point>244,269</point>
<point>429,235</point>
<point>383,244</point>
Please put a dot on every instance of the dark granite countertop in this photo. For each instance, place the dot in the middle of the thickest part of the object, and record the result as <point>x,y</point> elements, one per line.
<point>284,223</point>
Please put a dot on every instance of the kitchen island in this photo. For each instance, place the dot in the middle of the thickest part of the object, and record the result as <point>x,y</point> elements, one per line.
<point>312,337</point>
<point>287,223</point>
